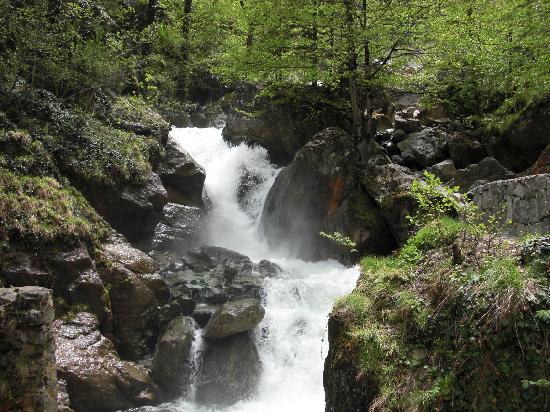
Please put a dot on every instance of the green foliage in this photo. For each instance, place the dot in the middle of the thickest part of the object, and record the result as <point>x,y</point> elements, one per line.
<point>340,240</point>
<point>457,319</point>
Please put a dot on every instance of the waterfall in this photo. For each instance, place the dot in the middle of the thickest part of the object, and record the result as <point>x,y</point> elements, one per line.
<point>291,339</point>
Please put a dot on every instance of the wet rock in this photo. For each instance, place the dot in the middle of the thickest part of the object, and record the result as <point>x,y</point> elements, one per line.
<point>182,177</point>
<point>179,230</point>
<point>63,401</point>
<point>28,380</point>
<point>268,269</point>
<point>488,170</point>
<point>97,379</point>
<point>424,148</point>
<point>445,170</point>
<point>171,368</point>
<point>214,275</point>
<point>320,191</point>
<point>465,150</point>
<point>249,180</point>
<point>135,203</point>
<point>234,317</point>
<point>230,371</point>
<point>135,311</point>
<point>202,313</point>
<point>176,307</point>
<point>119,250</point>
<point>76,281</point>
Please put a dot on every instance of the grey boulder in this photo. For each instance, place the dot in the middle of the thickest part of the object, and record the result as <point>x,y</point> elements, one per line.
<point>424,148</point>
<point>234,317</point>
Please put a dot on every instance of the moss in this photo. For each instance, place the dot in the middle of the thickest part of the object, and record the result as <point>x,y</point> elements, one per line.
<point>444,335</point>
<point>21,153</point>
<point>40,210</point>
<point>131,110</point>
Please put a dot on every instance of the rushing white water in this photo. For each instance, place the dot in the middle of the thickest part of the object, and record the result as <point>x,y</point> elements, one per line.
<point>294,343</point>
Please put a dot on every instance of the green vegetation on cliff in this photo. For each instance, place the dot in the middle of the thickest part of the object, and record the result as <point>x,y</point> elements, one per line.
<point>457,320</point>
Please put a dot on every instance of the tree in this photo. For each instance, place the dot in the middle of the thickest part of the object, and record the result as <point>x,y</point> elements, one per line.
<point>348,44</point>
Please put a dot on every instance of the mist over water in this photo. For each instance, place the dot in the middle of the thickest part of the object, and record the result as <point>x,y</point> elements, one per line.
<point>292,338</point>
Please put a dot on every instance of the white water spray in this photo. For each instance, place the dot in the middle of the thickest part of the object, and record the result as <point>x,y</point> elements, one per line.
<point>294,343</point>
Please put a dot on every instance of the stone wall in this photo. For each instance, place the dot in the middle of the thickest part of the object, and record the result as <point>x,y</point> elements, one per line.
<point>524,201</point>
<point>28,379</point>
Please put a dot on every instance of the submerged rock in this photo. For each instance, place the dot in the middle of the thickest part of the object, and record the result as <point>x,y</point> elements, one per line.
<point>234,317</point>
<point>320,191</point>
<point>214,275</point>
<point>96,378</point>
<point>230,371</point>
<point>171,368</point>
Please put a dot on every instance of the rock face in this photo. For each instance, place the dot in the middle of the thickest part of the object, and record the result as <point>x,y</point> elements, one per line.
<point>320,191</point>
<point>424,148</point>
<point>214,275</point>
<point>27,350</point>
<point>230,371</point>
<point>285,123</point>
<point>71,274</point>
<point>389,185</point>
<point>346,389</point>
<point>182,177</point>
<point>135,203</point>
<point>487,170</point>
<point>135,295</point>
<point>171,369</point>
<point>234,317</point>
<point>96,378</point>
<point>524,201</point>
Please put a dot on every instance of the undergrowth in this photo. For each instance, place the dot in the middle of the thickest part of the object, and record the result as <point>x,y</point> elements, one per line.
<point>458,319</point>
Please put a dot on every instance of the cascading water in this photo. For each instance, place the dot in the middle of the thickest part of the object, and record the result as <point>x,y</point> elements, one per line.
<point>292,337</point>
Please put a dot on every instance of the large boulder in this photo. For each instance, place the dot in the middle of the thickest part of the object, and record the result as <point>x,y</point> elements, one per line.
<point>181,175</point>
<point>214,275</point>
<point>97,379</point>
<point>28,381</point>
<point>389,184</point>
<point>171,368</point>
<point>424,148</point>
<point>133,211</point>
<point>320,192</point>
<point>445,170</point>
<point>521,144</point>
<point>230,371</point>
<point>488,170</point>
<point>407,124</point>
<point>234,317</point>
<point>542,165</point>
<point>283,123</point>
<point>465,149</point>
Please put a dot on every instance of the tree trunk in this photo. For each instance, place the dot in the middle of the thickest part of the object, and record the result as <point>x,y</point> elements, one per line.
<point>151,12</point>
<point>351,63</point>
<point>183,86</point>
